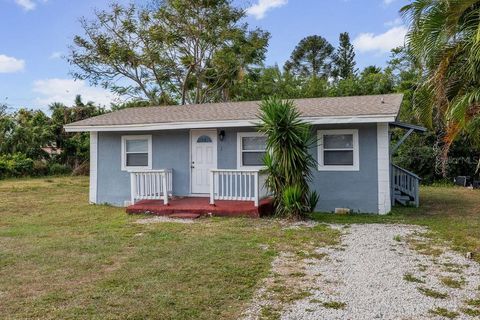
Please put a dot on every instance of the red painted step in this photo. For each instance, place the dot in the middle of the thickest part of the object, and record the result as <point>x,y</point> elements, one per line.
<point>184,215</point>
<point>202,206</point>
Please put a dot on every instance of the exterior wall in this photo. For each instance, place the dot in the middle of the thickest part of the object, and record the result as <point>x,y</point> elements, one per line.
<point>357,190</point>
<point>170,150</point>
<point>383,159</point>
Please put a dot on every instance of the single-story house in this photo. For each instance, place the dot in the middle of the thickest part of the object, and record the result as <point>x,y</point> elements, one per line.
<point>213,151</point>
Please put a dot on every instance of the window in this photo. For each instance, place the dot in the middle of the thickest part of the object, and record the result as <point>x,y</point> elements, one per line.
<point>338,150</point>
<point>251,149</point>
<point>204,139</point>
<point>136,152</point>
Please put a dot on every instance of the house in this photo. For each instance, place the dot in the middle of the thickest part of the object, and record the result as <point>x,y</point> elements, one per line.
<point>159,155</point>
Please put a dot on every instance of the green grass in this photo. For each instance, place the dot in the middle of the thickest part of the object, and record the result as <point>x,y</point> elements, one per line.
<point>61,258</point>
<point>471,312</point>
<point>451,213</point>
<point>444,313</point>
<point>334,305</point>
<point>432,293</point>
<point>452,283</point>
<point>411,278</point>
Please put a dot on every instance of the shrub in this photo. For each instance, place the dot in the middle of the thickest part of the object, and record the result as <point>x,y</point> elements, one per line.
<point>58,169</point>
<point>292,203</point>
<point>40,168</point>
<point>288,160</point>
<point>15,165</point>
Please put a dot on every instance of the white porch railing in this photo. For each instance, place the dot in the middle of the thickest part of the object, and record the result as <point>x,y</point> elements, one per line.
<point>244,185</point>
<point>151,185</point>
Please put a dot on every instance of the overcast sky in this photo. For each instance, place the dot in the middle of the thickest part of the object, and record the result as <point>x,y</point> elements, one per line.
<point>35,34</point>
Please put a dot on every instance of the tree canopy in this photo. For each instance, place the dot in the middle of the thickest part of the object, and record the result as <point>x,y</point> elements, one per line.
<point>312,57</point>
<point>181,50</point>
<point>344,58</point>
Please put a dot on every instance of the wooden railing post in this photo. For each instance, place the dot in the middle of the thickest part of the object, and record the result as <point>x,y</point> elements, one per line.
<point>133,187</point>
<point>255,188</point>
<point>212,187</point>
<point>165,188</point>
<point>417,194</point>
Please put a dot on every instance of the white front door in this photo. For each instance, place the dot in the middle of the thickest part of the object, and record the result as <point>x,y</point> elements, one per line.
<point>203,158</point>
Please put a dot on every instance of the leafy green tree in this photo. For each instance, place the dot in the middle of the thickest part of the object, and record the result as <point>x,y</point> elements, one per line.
<point>26,132</point>
<point>312,57</point>
<point>75,146</point>
<point>262,83</point>
<point>190,51</point>
<point>344,58</point>
<point>444,40</point>
<point>372,80</point>
<point>288,159</point>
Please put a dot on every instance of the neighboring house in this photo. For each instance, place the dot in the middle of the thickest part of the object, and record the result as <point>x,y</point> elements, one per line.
<point>52,150</point>
<point>213,151</point>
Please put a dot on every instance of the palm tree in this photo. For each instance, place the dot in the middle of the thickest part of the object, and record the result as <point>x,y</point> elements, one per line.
<point>444,38</point>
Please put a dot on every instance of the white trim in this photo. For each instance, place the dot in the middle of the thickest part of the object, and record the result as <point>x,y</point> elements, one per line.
<point>383,158</point>
<point>226,123</point>
<point>241,135</point>
<point>215,152</point>
<point>355,149</point>
<point>125,138</point>
<point>93,167</point>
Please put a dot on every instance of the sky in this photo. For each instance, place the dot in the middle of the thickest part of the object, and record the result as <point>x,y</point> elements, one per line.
<point>35,36</point>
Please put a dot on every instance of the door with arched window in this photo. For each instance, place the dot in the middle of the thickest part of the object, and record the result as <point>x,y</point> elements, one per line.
<point>203,159</point>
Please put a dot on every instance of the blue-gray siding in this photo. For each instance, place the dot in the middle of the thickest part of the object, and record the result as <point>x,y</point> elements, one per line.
<point>357,190</point>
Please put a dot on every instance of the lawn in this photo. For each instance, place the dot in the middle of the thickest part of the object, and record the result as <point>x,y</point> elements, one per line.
<point>63,258</point>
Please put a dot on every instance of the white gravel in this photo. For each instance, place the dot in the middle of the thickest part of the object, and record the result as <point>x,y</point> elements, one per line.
<point>367,274</point>
<point>162,219</point>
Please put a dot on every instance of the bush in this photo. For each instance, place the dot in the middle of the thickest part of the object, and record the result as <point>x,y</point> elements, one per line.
<point>16,165</point>
<point>40,168</point>
<point>57,169</point>
<point>292,202</point>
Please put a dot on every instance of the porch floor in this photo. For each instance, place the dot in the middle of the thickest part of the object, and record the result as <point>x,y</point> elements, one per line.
<point>202,206</point>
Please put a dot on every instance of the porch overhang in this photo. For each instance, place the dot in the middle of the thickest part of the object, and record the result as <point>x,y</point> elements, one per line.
<point>410,129</point>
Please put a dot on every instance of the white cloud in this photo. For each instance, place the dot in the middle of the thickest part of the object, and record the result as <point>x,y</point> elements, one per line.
<point>27,5</point>
<point>56,55</point>
<point>258,10</point>
<point>10,64</point>
<point>392,23</point>
<point>387,2</point>
<point>65,90</point>
<point>381,43</point>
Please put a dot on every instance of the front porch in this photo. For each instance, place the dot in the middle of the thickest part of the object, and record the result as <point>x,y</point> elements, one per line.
<point>201,206</point>
<point>232,193</point>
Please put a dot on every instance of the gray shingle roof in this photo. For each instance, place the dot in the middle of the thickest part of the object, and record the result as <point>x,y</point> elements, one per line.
<point>374,105</point>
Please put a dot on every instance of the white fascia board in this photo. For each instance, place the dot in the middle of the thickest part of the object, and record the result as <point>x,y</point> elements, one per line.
<point>227,124</point>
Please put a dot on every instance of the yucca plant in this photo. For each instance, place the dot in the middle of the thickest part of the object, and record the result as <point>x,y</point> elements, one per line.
<point>288,160</point>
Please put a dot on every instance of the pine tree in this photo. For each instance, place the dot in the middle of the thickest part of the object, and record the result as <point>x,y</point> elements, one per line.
<point>344,58</point>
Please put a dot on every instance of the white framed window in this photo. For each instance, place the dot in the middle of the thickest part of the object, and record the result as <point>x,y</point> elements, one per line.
<point>338,150</point>
<point>136,152</point>
<point>251,149</point>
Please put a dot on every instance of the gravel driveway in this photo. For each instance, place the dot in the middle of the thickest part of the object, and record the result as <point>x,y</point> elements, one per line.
<point>387,272</point>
